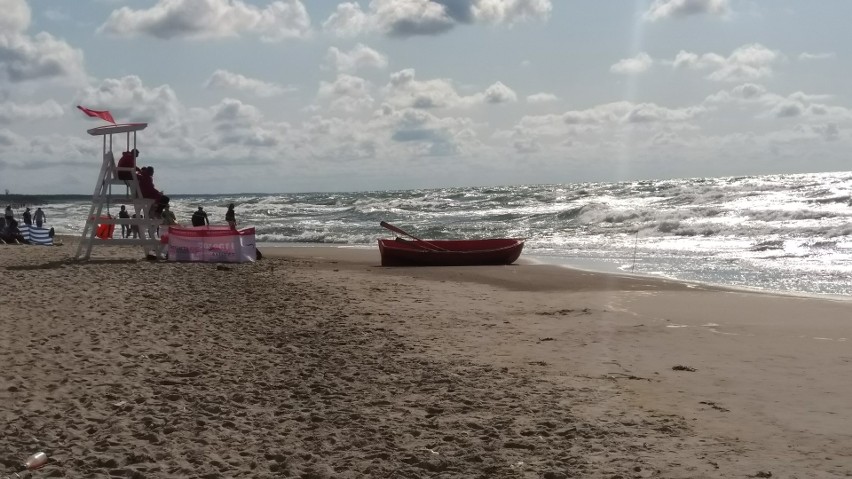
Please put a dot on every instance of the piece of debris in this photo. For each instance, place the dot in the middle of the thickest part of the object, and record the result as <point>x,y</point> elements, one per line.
<point>222,267</point>
<point>683,368</point>
<point>762,474</point>
<point>541,340</point>
<point>719,408</point>
<point>625,376</point>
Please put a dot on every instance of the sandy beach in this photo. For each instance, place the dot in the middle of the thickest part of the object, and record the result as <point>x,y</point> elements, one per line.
<point>318,363</point>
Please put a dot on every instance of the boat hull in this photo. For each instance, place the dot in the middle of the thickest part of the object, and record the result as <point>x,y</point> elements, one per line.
<point>399,252</point>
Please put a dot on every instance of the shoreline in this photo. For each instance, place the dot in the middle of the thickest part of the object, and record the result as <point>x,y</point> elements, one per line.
<point>317,361</point>
<point>369,254</point>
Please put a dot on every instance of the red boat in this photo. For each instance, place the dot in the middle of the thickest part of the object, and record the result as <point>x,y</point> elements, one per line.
<point>400,252</point>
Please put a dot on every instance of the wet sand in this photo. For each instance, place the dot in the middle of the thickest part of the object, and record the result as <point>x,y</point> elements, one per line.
<point>316,362</point>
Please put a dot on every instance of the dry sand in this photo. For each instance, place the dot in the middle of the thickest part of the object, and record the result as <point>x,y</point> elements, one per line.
<point>315,362</point>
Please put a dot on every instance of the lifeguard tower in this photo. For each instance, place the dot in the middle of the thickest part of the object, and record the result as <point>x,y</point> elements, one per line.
<point>103,197</point>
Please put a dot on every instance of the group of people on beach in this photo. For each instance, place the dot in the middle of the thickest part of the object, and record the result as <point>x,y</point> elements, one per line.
<point>160,207</point>
<point>199,218</point>
<point>10,232</point>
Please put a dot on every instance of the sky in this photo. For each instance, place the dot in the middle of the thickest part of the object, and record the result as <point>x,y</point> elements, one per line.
<point>329,95</point>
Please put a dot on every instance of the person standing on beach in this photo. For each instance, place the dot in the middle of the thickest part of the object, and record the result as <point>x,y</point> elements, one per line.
<point>231,217</point>
<point>10,215</point>
<point>134,229</point>
<point>125,229</point>
<point>28,217</point>
<point>199,218</point>
<point>168,216</point>
<point>39,217</point>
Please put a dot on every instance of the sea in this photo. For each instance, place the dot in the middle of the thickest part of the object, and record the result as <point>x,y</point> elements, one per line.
<point>780,233</point>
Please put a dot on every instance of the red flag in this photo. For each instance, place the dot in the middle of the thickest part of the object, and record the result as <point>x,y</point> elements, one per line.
<point>103,115</point>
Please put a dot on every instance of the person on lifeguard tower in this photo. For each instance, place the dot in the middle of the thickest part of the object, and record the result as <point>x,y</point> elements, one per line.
<point>127,160</point>
<point>145,177</point>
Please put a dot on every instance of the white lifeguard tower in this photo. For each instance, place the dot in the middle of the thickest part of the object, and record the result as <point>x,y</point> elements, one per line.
<point>103,196</point>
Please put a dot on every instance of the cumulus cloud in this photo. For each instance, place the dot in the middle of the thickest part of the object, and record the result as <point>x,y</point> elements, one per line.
<point>499,93</point>
<point>16,16</point>
<point>38,57</point>
<point>281,19</point>
<point>681,8</point>
<point>16,112</point>
<point>405,18</point>
<point>430,135</point>
<point>511,11</point>
<point>748,62</point>
<point>347,93</point>
<point>767,105</point>
<point>747,92</point>
<point>816,56</point>
<point>405,91</point>
<point>239,124</point>
<point>129,99</point>
<point>601,123</point>
<point>624,112</point>
<point>24,58</point>
<point>361,56</point>
<point>348,20</point>
<point>631,66</point>
<point>542,98</point>
<point>235,81</point>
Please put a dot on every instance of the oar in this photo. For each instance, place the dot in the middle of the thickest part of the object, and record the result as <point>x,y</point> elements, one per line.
<point>397,230</point>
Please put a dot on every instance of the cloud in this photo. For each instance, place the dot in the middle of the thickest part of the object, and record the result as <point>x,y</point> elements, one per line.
<point>631,66</point>
<point>428,135</point>
<point>816,56</point>
<point>130,100</point>
<point>787,110</point>
<point>16,16</point>
<point>624,112</point>
<point>405,91</point>
<point>235,81</point>
<point>348,20</point>
<point>49,151</point>
<point>24,58</point>
<point>542,98</point>
<point>511,11</point>
<point>749,90</point>
<point>605,117</point>
<point>7,139</point>
<point>14,112</point>
<point>829,131</point>
<point>347,93</point>
<point>499,93</point>
<point>746,63</point>
<point>280,20</point>
<point>767,105</point>
<point>421,134</point>
<point>239,124</point>
<point>682,8</point>
<point>406,18</point>
<point>39,57</point>
<point>361,56</point>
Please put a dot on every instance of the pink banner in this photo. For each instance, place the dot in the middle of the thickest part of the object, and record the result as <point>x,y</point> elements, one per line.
<point>211,244</point>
